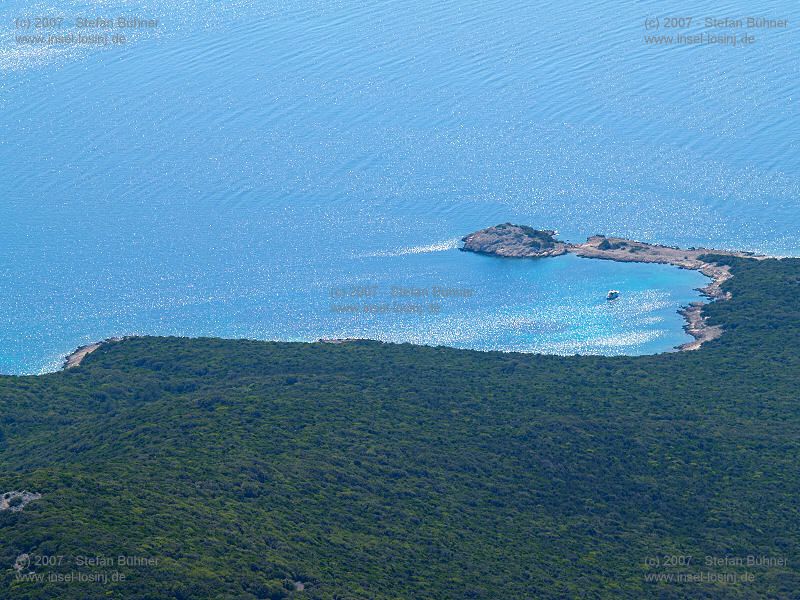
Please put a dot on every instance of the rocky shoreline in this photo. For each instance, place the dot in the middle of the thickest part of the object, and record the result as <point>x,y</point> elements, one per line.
<point>519,241</point>
<point>697,327</point>
<point>74,358</point>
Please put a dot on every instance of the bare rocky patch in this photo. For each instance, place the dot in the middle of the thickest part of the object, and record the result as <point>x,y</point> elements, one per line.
<point>15,501</point>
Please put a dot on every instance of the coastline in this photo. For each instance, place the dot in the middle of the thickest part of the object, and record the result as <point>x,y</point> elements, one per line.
<point>625,250</point>
<point>75,358</point>
<point>697,327</point>
<point>514,241</point>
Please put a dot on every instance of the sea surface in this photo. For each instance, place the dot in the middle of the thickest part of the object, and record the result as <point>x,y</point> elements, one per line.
<point>305,169</point>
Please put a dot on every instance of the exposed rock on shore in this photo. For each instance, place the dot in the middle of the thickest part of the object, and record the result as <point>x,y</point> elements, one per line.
<point>624,250</point>
<point>520,241</point>
<point>75,357</point>
<point>697,327</point>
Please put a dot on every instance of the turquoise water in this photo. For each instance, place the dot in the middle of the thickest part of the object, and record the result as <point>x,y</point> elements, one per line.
<point>228,171</point>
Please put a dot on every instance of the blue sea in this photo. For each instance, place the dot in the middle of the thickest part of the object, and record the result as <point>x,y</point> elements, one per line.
<point>305,169</point>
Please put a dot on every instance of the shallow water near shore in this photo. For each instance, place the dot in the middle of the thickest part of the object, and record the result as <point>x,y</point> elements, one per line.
<point>433,297</point>
<point>222,173</point>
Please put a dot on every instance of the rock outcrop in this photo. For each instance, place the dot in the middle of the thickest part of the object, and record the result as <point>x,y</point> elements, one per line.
<point>15,501</point>
<point>514,241</point>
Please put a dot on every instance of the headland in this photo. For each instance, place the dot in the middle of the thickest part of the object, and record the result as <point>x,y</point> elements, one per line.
<point>74,358</point>
<point>520,241</point>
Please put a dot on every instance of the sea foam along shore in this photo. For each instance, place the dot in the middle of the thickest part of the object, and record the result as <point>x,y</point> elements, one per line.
<point>519,241</point>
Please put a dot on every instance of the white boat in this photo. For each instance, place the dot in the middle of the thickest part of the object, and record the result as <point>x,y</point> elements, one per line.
<point>612,295</point>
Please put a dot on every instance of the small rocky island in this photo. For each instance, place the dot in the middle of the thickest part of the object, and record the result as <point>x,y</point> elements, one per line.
<point>515,241</point>
<point>520,241</point>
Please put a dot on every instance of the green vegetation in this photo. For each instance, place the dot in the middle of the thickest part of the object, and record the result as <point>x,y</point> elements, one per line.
<point>368,470</point>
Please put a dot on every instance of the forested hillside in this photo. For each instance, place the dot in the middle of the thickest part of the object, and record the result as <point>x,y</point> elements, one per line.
<point>242,469</point>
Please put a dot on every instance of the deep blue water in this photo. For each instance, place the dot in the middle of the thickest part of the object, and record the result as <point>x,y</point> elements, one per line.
<point>226,172</point>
